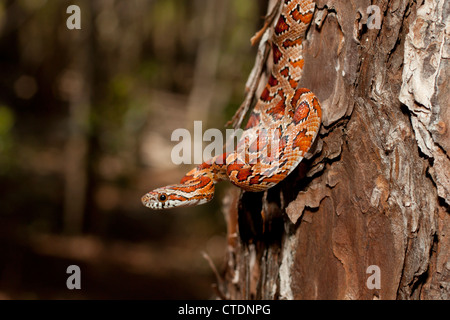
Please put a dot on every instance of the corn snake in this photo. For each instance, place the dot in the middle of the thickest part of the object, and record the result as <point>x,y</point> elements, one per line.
<point>280,130</point>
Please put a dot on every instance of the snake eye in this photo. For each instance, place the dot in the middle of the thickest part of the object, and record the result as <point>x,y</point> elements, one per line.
<point>162,197</point>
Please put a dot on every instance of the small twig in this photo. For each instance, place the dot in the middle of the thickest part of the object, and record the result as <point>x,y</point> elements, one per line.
<point>258,35</point>
<point>254,77</point>
<point>216,273</point>
<point>267,22</point>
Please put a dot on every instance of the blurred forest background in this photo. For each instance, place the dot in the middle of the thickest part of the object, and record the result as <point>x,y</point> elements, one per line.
<point>86,118</point>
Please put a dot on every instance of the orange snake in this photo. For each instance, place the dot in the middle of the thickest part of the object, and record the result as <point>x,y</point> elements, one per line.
<point>284,113</point>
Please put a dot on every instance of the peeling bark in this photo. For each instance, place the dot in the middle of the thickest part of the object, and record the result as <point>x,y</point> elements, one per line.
<point>375,192</point>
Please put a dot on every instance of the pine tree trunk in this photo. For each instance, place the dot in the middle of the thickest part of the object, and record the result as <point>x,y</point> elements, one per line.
<point>367,217</point>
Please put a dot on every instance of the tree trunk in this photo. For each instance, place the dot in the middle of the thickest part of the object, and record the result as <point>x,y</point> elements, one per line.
<point>367,216</point>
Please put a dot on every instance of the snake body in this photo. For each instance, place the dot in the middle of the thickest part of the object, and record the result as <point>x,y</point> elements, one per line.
<point>281,128</point>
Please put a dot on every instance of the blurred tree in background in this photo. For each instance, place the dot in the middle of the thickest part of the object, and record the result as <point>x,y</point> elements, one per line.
<point>85,123</point>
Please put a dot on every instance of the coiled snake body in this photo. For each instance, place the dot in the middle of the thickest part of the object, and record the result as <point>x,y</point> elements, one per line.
<point>280,129</point>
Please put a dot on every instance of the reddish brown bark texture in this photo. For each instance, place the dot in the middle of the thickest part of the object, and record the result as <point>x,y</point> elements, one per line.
<point>376,191</point>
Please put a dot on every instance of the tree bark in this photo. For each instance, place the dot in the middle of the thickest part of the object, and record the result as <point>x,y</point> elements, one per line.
<point>373,200</point>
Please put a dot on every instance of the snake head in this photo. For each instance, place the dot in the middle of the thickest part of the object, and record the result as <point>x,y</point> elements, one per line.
<point>161,198</point>
<point>180,195</point>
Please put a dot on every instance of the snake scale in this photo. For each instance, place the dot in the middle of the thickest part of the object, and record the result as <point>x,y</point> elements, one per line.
<point>285,116</point>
